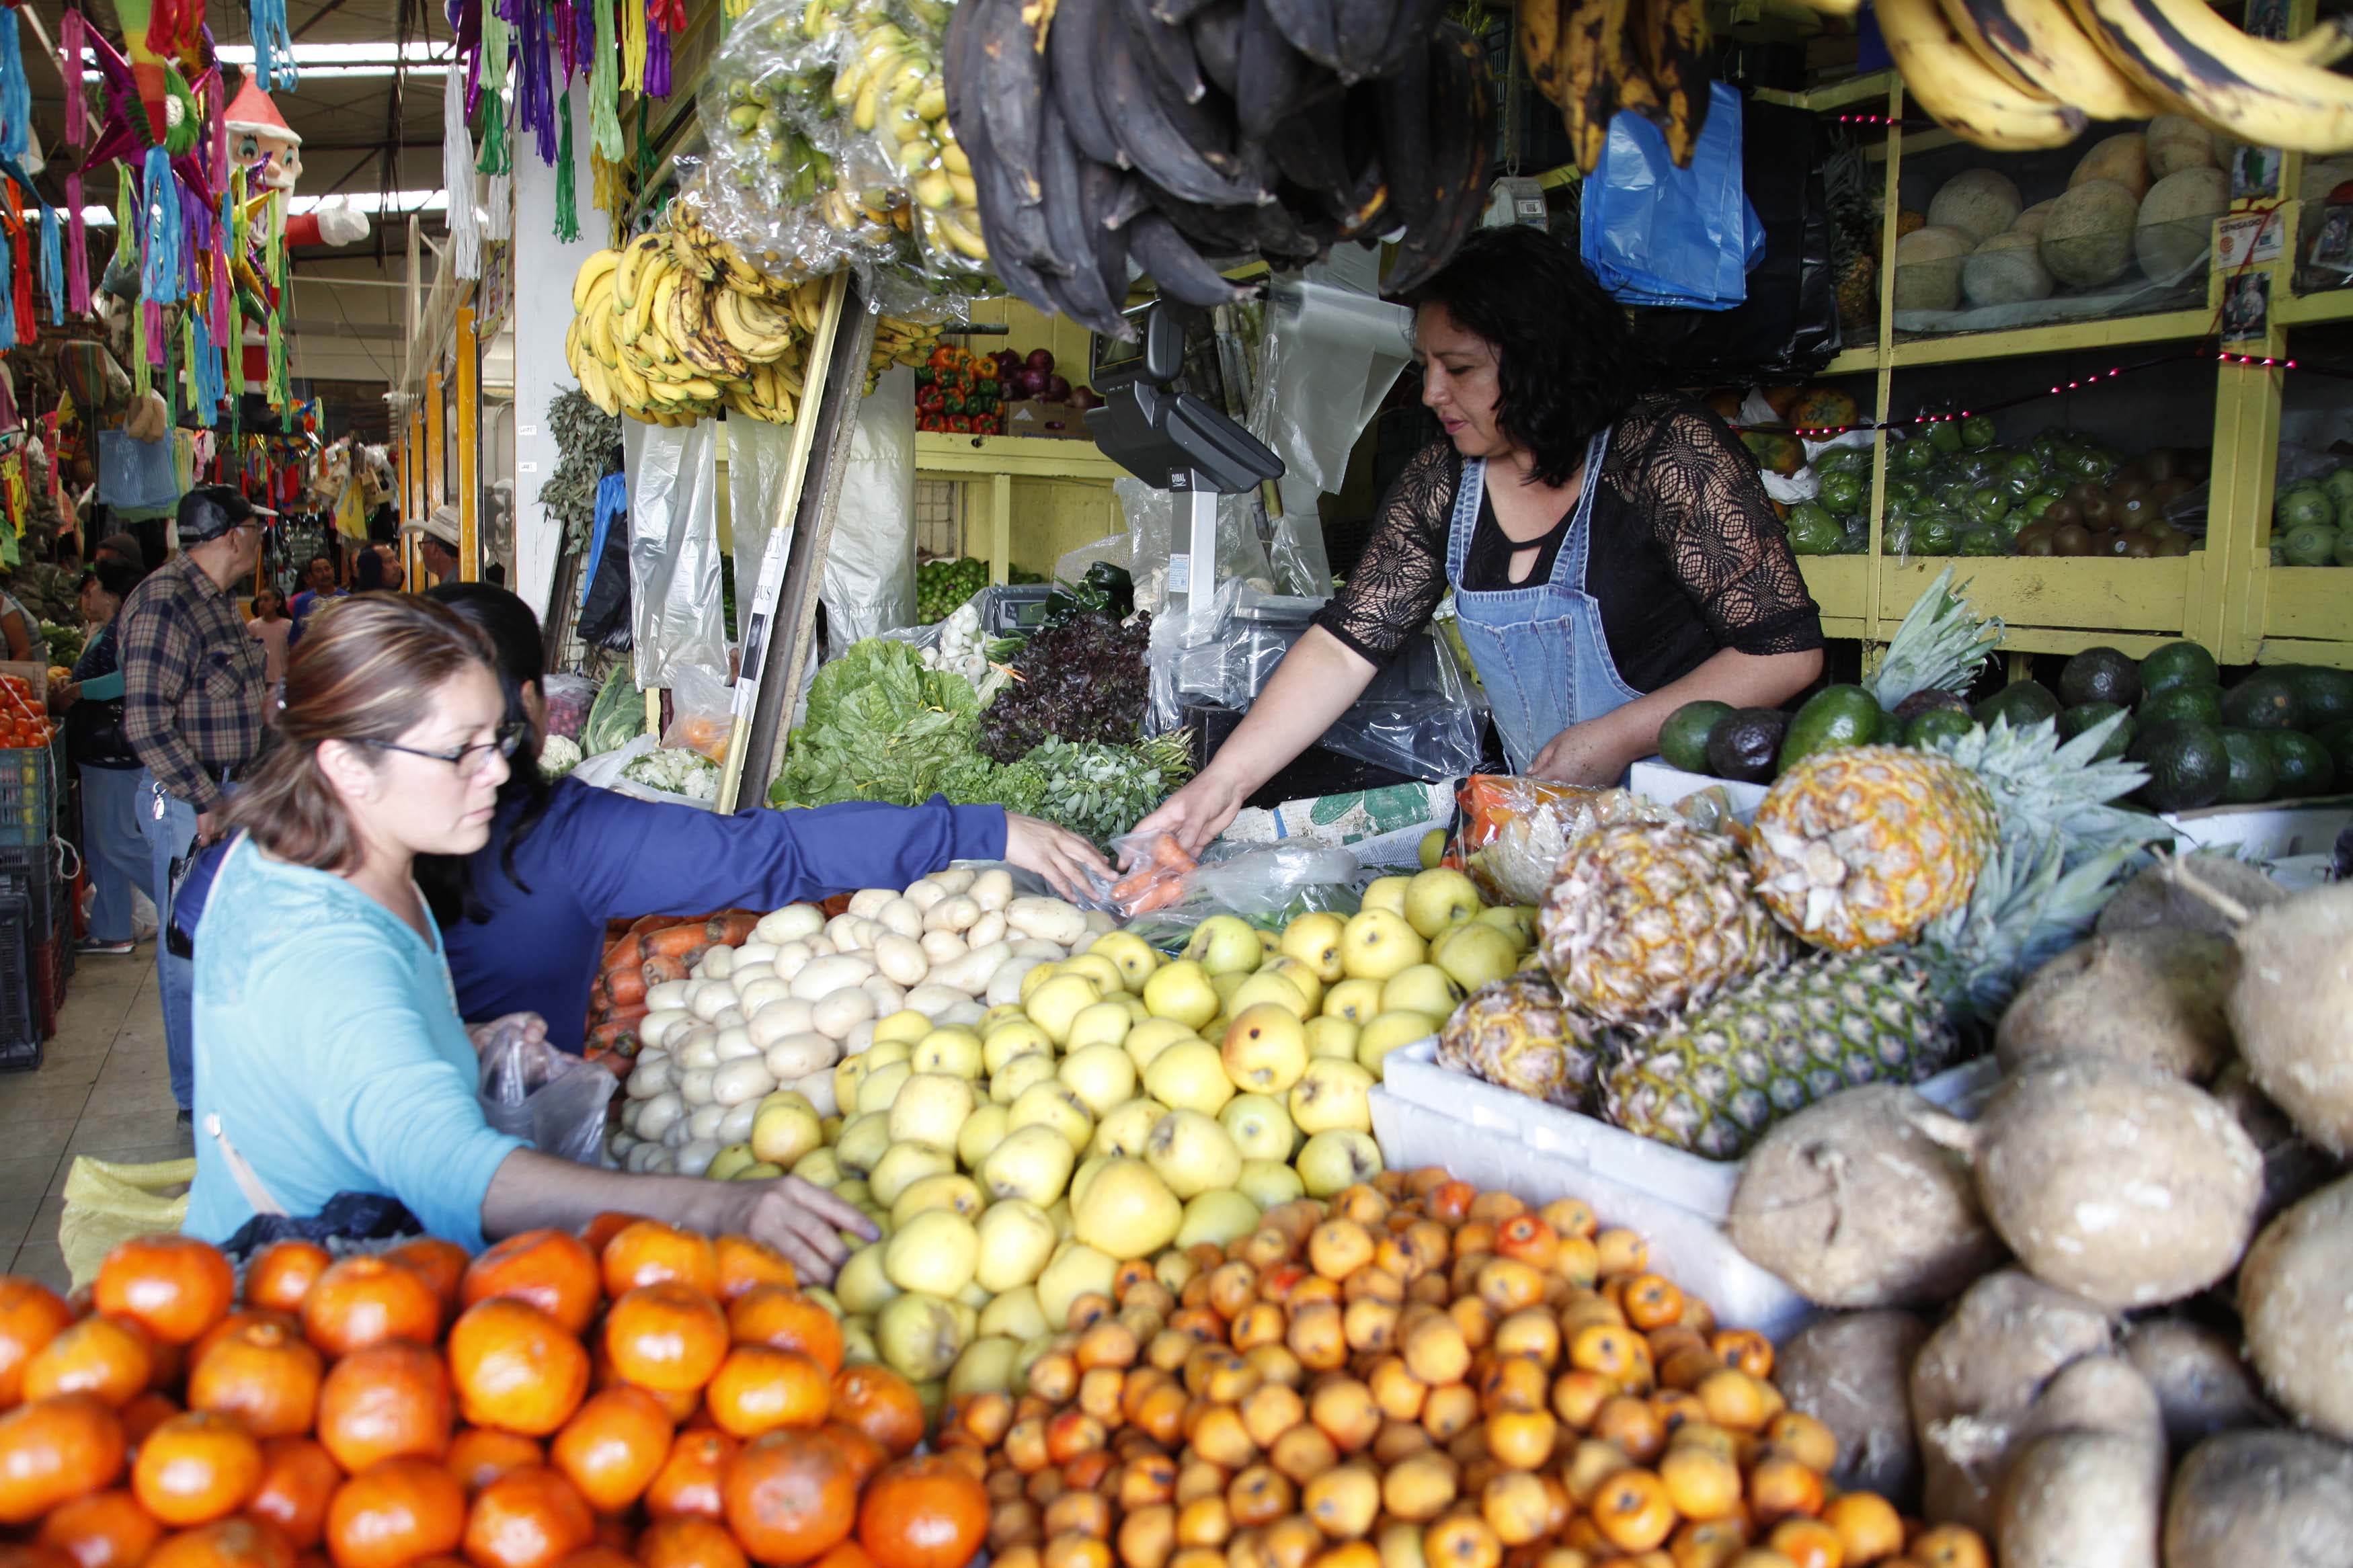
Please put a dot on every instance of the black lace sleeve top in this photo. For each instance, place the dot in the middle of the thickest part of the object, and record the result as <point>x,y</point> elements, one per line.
<point>1687,557</point>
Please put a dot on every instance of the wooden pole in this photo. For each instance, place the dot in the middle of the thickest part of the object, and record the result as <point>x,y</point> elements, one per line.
<point>469,454</point>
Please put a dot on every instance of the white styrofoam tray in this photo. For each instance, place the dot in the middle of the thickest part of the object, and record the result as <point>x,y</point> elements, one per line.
<point>1655,781</point>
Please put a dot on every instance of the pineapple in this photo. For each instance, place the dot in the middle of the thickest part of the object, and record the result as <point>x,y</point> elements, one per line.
<point>1711,1081</point>
<point>1939,647</point>
<point>1862,846</point>
<point>1516,1033</point>
<point>1645,918</point>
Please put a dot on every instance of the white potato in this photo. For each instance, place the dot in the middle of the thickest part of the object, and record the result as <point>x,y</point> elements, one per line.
<point>645,1160</point>
<point>755,951</point>
<point>1004,986</point>
<point>695,1155</point>
<point>861,1037</point>
<point>989,928</point>
<point>888,998</point>
<point>901,961</point>
<point>736,1125</point>
<point>901,916</point>
<point>711,998</point>
<point>774,1022</point>
<point>955,880</point>
<point>993,890</point>
<point>718,963</point>
<point>759,993</point>
<point>837,1012</point>
<point>944,946</point>
<point>731,1016</point>
<point>790,959</point>
<point>791,923</point>
<point>923,893</point>
<point>954,913</point>
<point>968,1013</point>
<point>1048,918</point>
<point>703,1121</point>
<point>866,901</point>
<point>669,994</point>
<point>1040,948</point>
<point>694,1085</point>
<point>798,1056</point>
<point>972,972</point>
<point>654,1029</point>
<point>738,1081</point>
<point>931,999</point>
<point>651,1076</point>
<point>824,976</point>
<point>734,1043</point>
<point>817,1088</point>
<point>698,1047</point>
<point>658,1115</point>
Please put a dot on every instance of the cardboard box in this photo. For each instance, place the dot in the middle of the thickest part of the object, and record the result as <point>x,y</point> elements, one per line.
<point>1055,421</point>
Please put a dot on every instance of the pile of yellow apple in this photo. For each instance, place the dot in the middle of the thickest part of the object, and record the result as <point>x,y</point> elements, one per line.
<point>1014,1163</point>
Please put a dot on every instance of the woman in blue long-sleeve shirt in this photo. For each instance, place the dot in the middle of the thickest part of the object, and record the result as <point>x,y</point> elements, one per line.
<point>523,918</point>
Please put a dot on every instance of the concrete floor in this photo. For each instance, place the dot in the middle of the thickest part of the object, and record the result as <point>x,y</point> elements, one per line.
<point>102,1089</point>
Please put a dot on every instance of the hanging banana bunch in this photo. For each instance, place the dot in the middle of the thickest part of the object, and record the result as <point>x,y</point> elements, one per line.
<point>1593,57</point>
<point>1179,137</point>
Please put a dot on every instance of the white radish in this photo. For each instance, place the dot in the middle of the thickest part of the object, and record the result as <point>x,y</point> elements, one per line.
<point>901,916</point>
<point>656,1117</point>
<point>739,1081</point>
<point>993,890</point>
<point>774,1022</point>
<point>824,976</point>
<point>668,993</point>
<point>901,961</point>
<point>944,947</point>
<point>791,923</point>
<point>956,912</point>
<point>840,1012</point>
<point>733,1044</point>
<point>798,1056</point>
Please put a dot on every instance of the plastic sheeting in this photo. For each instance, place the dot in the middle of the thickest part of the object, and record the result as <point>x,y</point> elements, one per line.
<point>1151,523</point>
<point>676,613</point>
<point>758,454</point>
<point>870,571</point>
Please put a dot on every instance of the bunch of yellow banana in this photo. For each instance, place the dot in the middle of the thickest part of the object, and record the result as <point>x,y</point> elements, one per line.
<point>1594,57</point>
<point>2018,74</point>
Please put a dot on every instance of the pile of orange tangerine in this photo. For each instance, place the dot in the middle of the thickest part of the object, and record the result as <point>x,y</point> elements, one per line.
<point>1417,1375</point>
<point>639,1395</point>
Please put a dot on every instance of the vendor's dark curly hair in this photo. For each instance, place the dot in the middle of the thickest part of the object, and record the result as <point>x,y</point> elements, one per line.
<point>1564,352</point>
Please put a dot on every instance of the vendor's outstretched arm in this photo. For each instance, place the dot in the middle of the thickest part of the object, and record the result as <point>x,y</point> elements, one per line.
<point>1598,751</point>
<point>1315,684</point>
<point>531,1190</point>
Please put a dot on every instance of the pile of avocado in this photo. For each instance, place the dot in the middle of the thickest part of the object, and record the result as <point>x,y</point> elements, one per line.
<point>2311,522</point>
<point>2283,733</point>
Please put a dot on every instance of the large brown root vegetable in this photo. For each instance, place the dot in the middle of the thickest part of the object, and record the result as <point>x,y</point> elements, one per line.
<point>1977,1376</point>
<point>2201,1385</point>
<point>2160,896</point>
<point>1855,1204</point>
<point>2292,1298</point>
<point>2153,996</point>
<point>2292,1010</point>
<point>2292,1164</point>
<point>2084,1486</point>
<point>1850,1373</point>
<point>2119,1182</point>
<point>2270,1499</point>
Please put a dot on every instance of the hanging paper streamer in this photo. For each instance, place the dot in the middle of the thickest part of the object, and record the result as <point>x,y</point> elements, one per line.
<point>633,44</point>
<point>53,264</point>
<point>535,85</point>
<point>604,88</point>
<point>126,222</point>
<point>204,372</point>
<point>159,281</point>
<point>657,63</point>
<point>7,291</point>
<point>567,184</point>
<point>77,253</point>
<point>458,177</point>
<point>20,247</point>
<point>16,97</point>
<point>273,49</point>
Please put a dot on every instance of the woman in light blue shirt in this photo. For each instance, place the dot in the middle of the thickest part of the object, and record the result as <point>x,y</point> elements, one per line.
<point>331,1062</point>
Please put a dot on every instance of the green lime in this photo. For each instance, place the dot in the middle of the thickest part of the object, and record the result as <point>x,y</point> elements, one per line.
<point>1682,739</point>
<point>2178,664</point>
<point>1834,716</point>
<point>2253,777</point>
<point>2201,704</point>
<point>2302,764</point>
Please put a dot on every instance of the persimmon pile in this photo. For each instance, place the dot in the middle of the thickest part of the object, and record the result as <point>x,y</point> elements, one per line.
<point>638,1395</point>
<point>1416,1374</point>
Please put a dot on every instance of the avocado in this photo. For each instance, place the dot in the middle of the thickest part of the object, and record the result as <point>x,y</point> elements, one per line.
<point>2178,664</point>
<point>2202,703</point>
<point>2076,720</point>
<point>1682,739</point>
<point>2339,739</point>
<point>2301,765</point>
<point>2252,776</point>
<point>2327,694</point>
<point>2099,675</point>
<point>1745,742</point>
<point>2187,764</point>
<point>2264,700</point>
<point>1834,716</point>
<point>1934,724</point>
<point>2023,702</point>
<point>1928,700</point>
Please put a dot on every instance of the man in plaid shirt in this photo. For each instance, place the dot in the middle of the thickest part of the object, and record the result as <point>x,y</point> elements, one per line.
<point>195,708</point>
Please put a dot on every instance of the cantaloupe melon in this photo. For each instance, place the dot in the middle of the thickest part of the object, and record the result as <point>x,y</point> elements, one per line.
<point>1928,267</point>
<point>2007,269</point>
<point>2177,220</point>
<point>2088,239</point>
<point>2031,220</point>
<point>2123,158</point>
<point>2176,142</point>
<point>1979,202</point>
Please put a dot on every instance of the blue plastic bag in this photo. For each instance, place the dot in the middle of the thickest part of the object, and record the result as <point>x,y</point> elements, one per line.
<point>1657,235</point>
<point>133,473</point>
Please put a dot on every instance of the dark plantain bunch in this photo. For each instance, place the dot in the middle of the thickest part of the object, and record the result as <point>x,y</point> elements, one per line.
<point>1082,680</point>
<point>1187,135</point>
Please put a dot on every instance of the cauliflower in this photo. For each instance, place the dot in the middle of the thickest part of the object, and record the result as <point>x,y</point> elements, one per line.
<point>558,755</point>
<point>676,772</point>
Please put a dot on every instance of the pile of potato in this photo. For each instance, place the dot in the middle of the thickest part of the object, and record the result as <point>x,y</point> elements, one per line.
<point>2163,1156</point>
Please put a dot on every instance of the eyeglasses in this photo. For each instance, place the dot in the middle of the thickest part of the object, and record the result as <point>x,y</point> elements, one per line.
<point>469,760</point>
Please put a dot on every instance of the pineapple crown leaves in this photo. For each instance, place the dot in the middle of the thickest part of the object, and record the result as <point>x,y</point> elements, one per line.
<point>2046,793</point>
<point>2028,906</point>
<point>1937,647</point>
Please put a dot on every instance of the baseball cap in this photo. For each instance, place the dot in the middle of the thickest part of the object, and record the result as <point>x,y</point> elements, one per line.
<point>441,525</point>
<point>210,511</point>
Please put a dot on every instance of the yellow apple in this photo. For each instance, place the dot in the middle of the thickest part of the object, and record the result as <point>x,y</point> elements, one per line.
<point>1104,1024</point>
<point>1126,1211</point>
<point>954,1050</point>
<point>1015,1313</point>
<point>1225,943</point>
<point>902,1165</point>
<point>1181,991</point>
<point>1386,894</point>
<point>785,1129</point>
<point>863,1141</point>
<point>1076,1269</point>
<point>952,1191</point>
<point>905,1024</point>
<point>1267,988</point>
<point>1267,1182</point>
<point>1386,1032</point>
<point>1328,1037</point>
<point>935,1253</point>
<point>1189,1076</point>
<point>1151,1037</point>
<point>726,1164</point>
<point>1054,1006</point>
<point>1016,1240</point>
<point>984,1130</point>
<point>930,1108</point>
<point>1353,1000</point>
<point>1225,984</point>
<point>986,1367</point>
<point>1131,953</point>
<point>1261,1127</point>
<point>861,1285</point>
<point>1126,1126</point>
<point>1314,940</point>
<point>1014,1078</point>
<point>1475,954</point>
<point>1217,1218</point>
<point>1266,1048</point>
<point>1054,1104</point>
<point>1108,977</point>
<point>1431,849</point>
<point>880,1087</point>
<point>1425,988</point>
<point>1379,944</point>
<point>1310,984</point>
<point>1033,1163</point>
<point>1014,1038</point>
<point>1333,1094</point>
<point>1101,1074</point>
<point>819,1168</point>
<point>920,1336</point>
<point>1438,898</point>
<point>1337,1160</point>
<point>1192,1153</point>
<point>1516,921</point>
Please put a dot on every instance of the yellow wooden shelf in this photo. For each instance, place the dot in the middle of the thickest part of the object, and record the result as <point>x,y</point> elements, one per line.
<point>2059,337</point>
<point>1860,360</point>
<point>2306,309</point>
<point>2305,607</point>
<point>1837,94</point>
<point>990,465</point>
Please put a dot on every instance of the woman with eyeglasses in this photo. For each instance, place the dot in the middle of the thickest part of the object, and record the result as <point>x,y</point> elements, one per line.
<point>356,1095</point>
<point>523,917</point>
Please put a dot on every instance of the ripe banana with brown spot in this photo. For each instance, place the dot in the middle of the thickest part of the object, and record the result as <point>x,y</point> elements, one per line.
<point>1948,80</point>
<point>1539,29</point>
<point>2039,49</point>
<point>1592,96</point>
<point>1673,35</point>
<point>2257,89</point>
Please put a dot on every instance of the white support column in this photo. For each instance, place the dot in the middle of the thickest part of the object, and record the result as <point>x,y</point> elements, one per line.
<point>543,312</point>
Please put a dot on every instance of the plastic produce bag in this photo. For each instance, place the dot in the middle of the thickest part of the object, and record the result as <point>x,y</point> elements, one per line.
<point>1151,525</point>
<point>107,1205</point>
<point>1511,832</point>
<point>1657,235</point>
<point>136,474</point>
<point>702,713</point>
<point>553,1100</point>
<point>1329,356</point>
<point>677,615</point>
<point>569,698</point>
<point>870,569</point>
<point>758,454</point>
<point>1164,899</point>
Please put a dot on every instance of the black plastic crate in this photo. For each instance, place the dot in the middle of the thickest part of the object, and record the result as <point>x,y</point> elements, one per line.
<point>30,872</point>
<point>27,795</point>
<point>20,1033</point>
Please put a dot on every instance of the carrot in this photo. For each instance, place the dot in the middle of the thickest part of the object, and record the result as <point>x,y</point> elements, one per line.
<point>617,1014</point>
<point>1159,880</point>
<point>672,942</point>
<point>625,987</point>
<point>730,928</point>
<point>657,970</point>
<point>837,905</point>
<point>621,1038</point>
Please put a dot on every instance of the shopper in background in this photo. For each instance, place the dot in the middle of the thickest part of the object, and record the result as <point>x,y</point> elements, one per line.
<point>269,627</point>
<point>99,745</point>
<point>376,570</point>
<point>1613,555</point>
<point>20,629</point>
<point>317,589</point>
<point>196,687</point>
<point>437,542</point>
<point>123,547</point>
<point>394,740</point>
<point>523,917</point>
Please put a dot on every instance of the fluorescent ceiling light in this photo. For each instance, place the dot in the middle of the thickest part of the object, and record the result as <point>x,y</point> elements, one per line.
<point>400,204</point>
<point>423,51</point>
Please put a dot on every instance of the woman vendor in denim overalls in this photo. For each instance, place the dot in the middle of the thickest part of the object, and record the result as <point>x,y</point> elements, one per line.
<point>1613,555</point>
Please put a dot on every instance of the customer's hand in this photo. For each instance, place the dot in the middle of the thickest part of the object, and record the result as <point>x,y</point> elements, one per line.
<point>1587,753</point>
<point>64,695</point>
<point>208,828</point>
<point>533,1027</point>
<point>1061,857</point>
<point>801,1220</point>
<point>1195,814</point>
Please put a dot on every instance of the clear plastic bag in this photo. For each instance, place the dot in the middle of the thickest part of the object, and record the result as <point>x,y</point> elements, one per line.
<point>1511,832</point>
<point>702,710</point>
<point>677,617</point>
<point>1164,899</point>
<point>569,698</point>
<point>1151,527</point>
<point>870,569</point>
<point>553,1101</point>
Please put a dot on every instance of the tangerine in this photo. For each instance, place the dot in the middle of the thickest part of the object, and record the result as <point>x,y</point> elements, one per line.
<point>597,1556</point>
<point>846,1555</point>
<point>779,1315</point>
<point>144,1413</point>
<point>297,1480</point>
<point>365,1299</point>
<point>555,1272</point>
<point>32,1555</point>
<point>928,1512</point>
<point>759,1388</point>
<point>689,1542</point>
<point>386,1401</point>
<point>789,1496</point>
<point>604,1226</point>
<point>647,1252</point>
<point>668,1336</point>
<point>98,1355</point>
<point>31,1315</point>
<point>689,1479</point>
<point>528,1518</point>
<point>243,1317</point>
<point>864,1455</point>
<point>613,1446</point>
<point>744,1263</point>
<point>282,1273</point>
<point>480,1455</point>
<point>394,1512</point>
<point>173,1286</point>
<point>55,1449</point>
<point>264,1373</point>
<point>224,1543</point>
<point>103,1530</point>
<point>441,1264</point>
<point>197,1468</point>
<point>516,1368</point>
